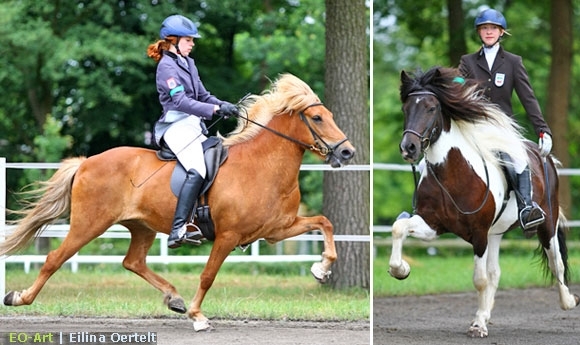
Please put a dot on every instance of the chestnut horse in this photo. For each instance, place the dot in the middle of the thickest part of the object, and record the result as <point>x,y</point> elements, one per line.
<point>463,188</point>
<point>255,194</point>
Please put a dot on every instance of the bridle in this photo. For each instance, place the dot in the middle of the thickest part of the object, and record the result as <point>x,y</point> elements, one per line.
<point>320,146</point>
<point>426,140</point>
<point>427,135</point>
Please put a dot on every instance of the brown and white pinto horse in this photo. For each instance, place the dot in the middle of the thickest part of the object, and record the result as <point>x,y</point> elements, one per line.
<point>462,187</point>
<point>255,194</point>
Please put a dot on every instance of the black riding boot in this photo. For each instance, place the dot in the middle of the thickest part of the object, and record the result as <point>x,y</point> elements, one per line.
<point>185,202</point>
<point>531,215</point>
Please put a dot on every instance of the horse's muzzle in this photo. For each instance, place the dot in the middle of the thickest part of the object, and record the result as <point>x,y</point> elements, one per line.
<point>341,155</point>
<point>410,150</point>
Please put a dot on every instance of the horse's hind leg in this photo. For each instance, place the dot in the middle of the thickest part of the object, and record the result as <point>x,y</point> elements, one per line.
<point>558,265</point>
<point>142,239</point>
<point>72,243</point>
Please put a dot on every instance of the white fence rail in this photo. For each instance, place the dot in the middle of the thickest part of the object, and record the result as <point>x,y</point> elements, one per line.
<point>118,231</point>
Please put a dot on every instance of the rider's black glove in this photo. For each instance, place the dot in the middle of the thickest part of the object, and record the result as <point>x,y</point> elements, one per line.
<point>227,110</point>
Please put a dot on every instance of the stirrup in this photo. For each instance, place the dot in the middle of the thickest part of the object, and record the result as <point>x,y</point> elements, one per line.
<point>531,217</point>
<point>188,237</point>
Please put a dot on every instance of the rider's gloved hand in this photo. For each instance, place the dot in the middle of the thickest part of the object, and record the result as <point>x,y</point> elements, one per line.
<point>228,110</point>
<point>545,144</point>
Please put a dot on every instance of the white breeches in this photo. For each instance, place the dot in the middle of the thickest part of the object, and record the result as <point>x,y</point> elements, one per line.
<point>184,138</point>
<point>519,164</point>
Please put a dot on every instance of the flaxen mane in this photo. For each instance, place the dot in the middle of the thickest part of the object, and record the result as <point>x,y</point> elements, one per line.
<point>288,94</point>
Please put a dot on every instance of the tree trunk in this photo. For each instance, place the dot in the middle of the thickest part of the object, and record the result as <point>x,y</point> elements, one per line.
<point>559,86</point>
<point>457,45</point>
<point>347,193</point>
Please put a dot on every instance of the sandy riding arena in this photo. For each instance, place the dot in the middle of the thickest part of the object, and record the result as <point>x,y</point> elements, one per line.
<point>180,331</point>
<point>525,317</point>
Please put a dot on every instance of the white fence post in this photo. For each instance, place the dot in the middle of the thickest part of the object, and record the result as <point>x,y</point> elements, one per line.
<point>2,223</point>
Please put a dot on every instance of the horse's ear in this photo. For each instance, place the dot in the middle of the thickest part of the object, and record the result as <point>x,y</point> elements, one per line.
<point>405,77</point>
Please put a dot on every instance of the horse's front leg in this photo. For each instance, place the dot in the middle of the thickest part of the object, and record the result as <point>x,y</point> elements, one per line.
<point>402,228</point>
<point>320,270</point>
<point>486,275</point>
<point>221,248</point>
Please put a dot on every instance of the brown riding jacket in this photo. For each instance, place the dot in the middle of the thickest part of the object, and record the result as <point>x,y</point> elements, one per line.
<point>507,74</point>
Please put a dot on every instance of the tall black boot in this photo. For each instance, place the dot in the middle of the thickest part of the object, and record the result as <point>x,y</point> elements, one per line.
<point>185,202</point>
<point>530,214</point>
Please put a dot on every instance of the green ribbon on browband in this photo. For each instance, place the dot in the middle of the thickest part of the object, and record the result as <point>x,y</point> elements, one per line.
<point>459,80</point>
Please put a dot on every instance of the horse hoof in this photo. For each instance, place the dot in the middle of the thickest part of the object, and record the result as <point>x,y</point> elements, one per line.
<point>320,274</point>
<point>401,272</point>
<point>577,299</point>
<point>177,305</point>
<point>10,298</point>
<point>204,325</point>
<point>477,332</point>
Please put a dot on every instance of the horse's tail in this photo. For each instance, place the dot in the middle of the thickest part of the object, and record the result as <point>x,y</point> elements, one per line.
<point>53,200</point>
<point>561,232</point>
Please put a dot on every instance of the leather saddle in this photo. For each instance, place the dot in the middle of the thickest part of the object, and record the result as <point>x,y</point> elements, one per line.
<point>215,154</point>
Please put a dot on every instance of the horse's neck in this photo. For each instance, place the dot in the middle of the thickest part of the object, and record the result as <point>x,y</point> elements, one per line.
<point>454,138</point>
<point>270,153</point>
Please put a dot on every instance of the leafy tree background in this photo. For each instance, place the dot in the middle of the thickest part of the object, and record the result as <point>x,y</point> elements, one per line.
<point>416,34</point>
<point>76,79</point>
<point>82,66</point>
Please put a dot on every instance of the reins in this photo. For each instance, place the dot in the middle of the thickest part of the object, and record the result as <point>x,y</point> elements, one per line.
<point>204,131</point>
<point>432,128</point>
<point>487,189</point>
<point>322,150</point>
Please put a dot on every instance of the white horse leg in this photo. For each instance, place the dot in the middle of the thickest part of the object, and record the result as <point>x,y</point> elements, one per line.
<point>478,328</point>
<point>402,228</point>
<point>567,300</point>
<point>486,276</point>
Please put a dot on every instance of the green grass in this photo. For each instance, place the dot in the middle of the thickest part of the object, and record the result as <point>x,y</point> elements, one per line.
<point>449,272</point>
<point>252,294</point>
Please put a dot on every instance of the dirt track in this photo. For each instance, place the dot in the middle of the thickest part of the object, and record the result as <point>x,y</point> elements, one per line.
<point>180,331</point>
<point>526,317</point>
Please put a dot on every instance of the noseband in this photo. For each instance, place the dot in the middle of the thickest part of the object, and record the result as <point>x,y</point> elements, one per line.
<point>430,131</point>
<point>322,150</point>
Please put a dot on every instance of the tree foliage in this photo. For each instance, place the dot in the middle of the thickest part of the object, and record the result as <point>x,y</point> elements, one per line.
<point>83,64</point>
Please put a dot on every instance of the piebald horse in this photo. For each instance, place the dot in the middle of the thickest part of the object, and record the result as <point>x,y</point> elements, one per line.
<point>463,189</point>
<point>255,194</point>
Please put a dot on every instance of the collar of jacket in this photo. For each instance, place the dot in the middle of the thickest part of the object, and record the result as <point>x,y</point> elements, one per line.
<point>481,52</point>
<point>174,56</point>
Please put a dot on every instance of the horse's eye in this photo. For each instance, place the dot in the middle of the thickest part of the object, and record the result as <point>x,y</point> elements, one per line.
<point>432,109</point>
<point>317,118</point>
